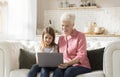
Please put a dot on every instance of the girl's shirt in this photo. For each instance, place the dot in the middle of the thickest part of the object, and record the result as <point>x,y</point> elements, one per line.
<point>48,50</point>
<point>53,49</point>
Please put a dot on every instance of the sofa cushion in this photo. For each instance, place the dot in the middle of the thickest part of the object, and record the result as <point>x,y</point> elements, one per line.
<point>26,59</point>
<point>23,73</point>
<point>19,73</point>
<point>92,74</point>
<point>96,58</point>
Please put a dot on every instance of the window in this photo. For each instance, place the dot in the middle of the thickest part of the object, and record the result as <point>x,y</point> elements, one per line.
<point>21,16</point>
<point>3,15</point>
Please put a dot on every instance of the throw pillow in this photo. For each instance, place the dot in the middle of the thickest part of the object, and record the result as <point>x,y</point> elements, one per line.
<point>96,58</point>
<point>26,59</point>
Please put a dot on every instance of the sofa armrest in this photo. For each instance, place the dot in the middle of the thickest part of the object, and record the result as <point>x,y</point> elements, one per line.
<point>7,61</point>
<point>111,60</point>
<point>1,63</point>
<point>10,54</point>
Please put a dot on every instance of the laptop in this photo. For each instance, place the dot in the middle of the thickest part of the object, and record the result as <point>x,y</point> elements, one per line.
<point>49,59</point>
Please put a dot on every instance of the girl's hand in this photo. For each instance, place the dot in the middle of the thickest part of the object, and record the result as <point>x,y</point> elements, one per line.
<point>63,66</point>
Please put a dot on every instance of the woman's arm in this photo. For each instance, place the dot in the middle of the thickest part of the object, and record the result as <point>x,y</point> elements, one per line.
<point>73,61</point>
<point>65,65</point>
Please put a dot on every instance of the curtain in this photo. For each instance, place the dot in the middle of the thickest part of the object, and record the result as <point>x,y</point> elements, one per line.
<point>21,19</point>
<point>3,15</point>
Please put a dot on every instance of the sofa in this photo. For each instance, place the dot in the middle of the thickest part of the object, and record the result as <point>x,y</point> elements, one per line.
<point>10,52</point>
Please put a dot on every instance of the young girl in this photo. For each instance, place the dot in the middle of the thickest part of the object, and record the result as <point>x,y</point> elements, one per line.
<point>48,45</point>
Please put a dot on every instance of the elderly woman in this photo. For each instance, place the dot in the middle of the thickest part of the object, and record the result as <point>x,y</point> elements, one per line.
<point>73,46</point>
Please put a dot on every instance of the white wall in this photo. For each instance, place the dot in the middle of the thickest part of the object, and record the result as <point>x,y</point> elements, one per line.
<point>109,18</point>
<point>108,3</point>
<point>53,4</point>
<point>42,5</point>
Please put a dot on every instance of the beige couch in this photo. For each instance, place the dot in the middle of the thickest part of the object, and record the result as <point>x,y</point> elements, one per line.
<point>9,62</point>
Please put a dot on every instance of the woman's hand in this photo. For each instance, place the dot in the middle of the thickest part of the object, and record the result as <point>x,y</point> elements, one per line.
<point>63,66</point>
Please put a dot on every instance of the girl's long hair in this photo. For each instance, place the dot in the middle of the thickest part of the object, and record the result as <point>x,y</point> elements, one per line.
<point>51,31</point>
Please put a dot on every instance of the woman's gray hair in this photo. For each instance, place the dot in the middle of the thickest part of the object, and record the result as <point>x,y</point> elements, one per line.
<point>68,17</point>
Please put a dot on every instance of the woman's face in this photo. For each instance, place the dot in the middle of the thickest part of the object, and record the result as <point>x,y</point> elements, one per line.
<point>67,27</point>
<point>48,39</point>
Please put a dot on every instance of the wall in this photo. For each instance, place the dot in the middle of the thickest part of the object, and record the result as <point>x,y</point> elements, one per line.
<point>108,3</point>
<point>42,5</point>
<point>109,18</point>
<point>0,22</point>
<point>3,15</point>
<point>53,4</point>
<point>40,11</point>
<point>110,9</point>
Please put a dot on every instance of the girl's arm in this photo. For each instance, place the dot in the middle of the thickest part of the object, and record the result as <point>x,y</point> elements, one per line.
<point>36,58</point>
<point>37,49</point>
<point>56,49</point>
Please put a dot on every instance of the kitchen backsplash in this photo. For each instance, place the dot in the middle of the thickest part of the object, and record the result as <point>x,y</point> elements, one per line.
<point>109,18</point>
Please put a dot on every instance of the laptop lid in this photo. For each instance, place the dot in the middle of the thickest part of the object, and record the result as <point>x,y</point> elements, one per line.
<point>50,59</point>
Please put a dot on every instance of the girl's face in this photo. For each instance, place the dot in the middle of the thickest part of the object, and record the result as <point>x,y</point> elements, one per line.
<point>48,39</point>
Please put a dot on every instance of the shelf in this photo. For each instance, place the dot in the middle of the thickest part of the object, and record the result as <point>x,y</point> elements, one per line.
<point>94,35</point>
<point>102,35</point>
<point>75,8</point>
